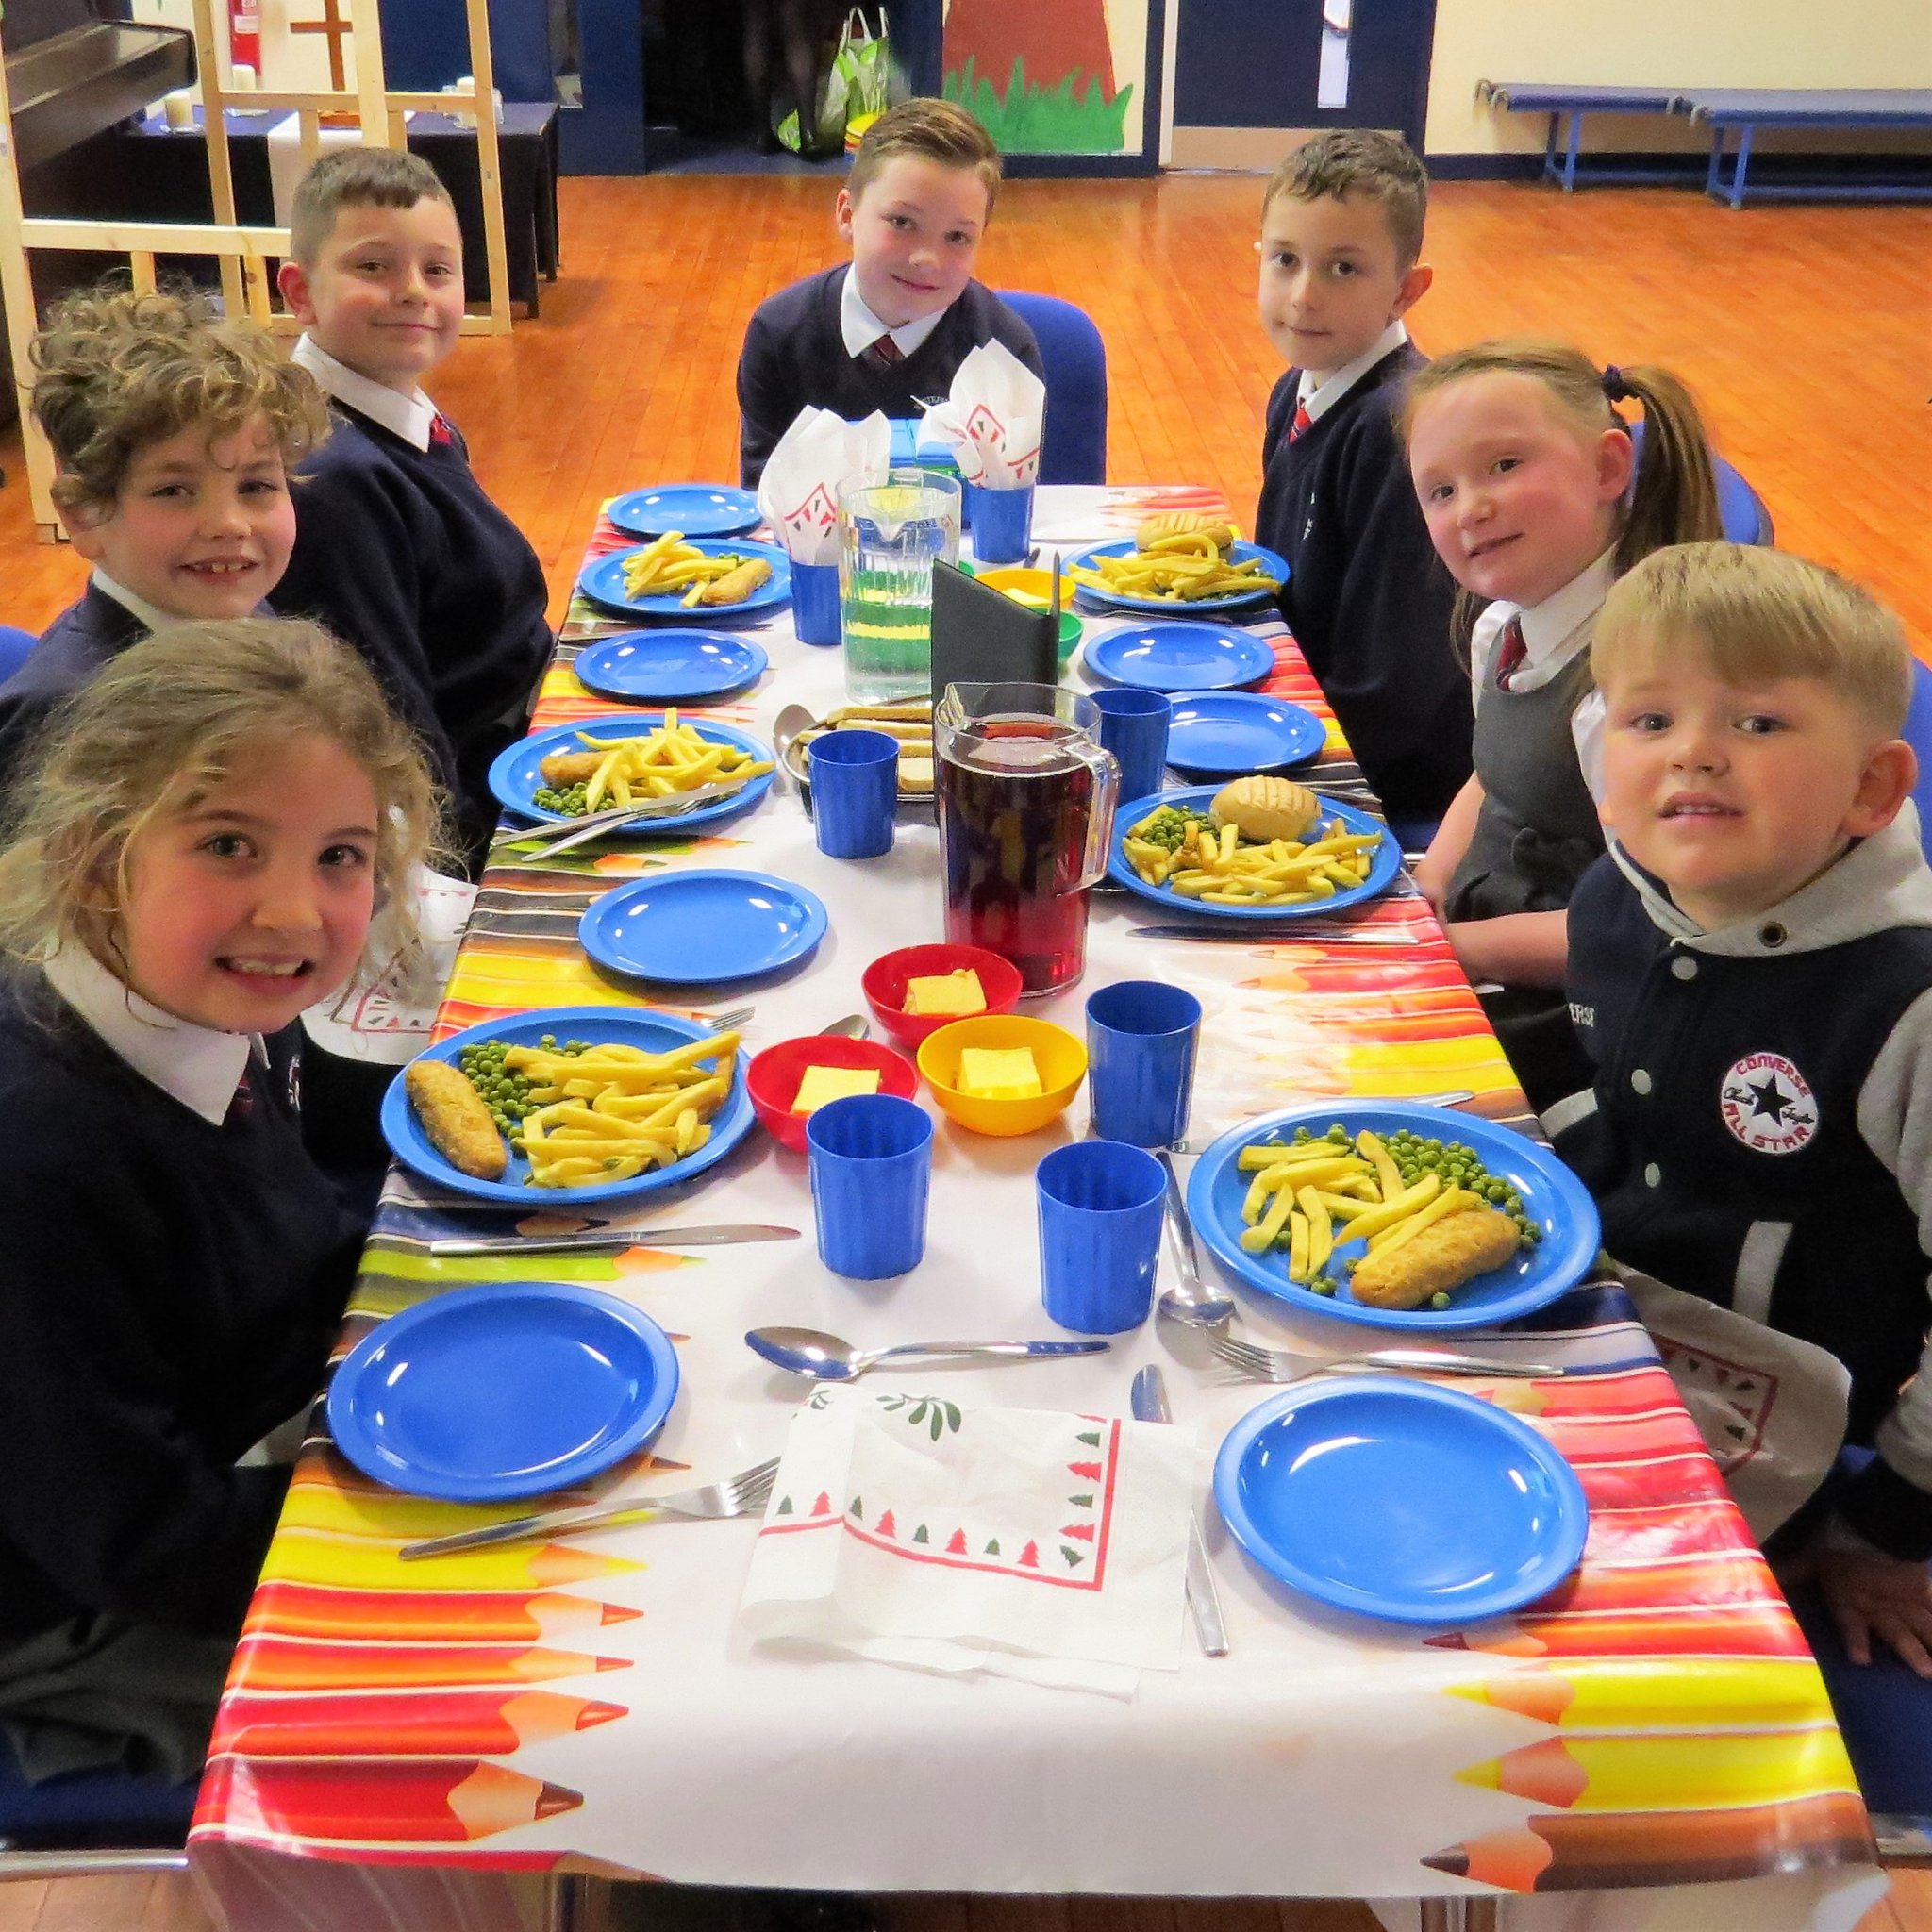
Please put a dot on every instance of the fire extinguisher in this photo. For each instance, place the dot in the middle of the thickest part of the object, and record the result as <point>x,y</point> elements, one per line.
<point>244,34</point>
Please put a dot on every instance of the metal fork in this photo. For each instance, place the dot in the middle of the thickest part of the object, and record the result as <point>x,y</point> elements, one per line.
<point>649,812</point>
<point>731,1496</point>
<point>1285,1365</point>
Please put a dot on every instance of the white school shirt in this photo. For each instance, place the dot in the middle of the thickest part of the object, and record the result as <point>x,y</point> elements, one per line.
<point>1318,394</point>
<point>195,1065</point>
<point>1554,632</point>
<point>150,614</point>
<point>410,417</point>
<point>861,328</point>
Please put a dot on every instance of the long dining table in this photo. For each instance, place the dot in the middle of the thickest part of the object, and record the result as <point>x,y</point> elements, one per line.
<point>404,1745</point>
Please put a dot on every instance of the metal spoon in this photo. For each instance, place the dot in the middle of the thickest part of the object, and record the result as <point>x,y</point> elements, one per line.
<point>794,719</point>
<point>824,1358</point>
<point>1190,1300</point>
<point>853,1027</point>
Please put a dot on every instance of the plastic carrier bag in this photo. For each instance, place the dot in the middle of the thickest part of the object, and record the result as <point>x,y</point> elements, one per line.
<point>853,84</point>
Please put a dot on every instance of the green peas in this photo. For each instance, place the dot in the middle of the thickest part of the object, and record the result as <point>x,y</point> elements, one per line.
<point>1439,1300</point>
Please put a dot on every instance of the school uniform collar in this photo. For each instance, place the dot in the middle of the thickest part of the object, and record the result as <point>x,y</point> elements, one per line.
<point>1554,631</point>
<point>193,1064</point>
<point>410,417</point>
<point>1318,394</point>
<point>861,328</point>
<point>150,615</point>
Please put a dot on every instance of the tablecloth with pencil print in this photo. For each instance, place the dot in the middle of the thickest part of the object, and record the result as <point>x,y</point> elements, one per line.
<point>395,1738</point>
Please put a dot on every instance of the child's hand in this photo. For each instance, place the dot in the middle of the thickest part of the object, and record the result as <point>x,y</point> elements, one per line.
<point>1867,1593</point>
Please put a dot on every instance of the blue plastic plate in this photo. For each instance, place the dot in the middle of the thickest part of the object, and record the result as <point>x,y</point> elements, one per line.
<point>693,510</point>
<point>627,1025</point>
<point>1383,866</point>
<point>1272,564</point>
<point>517,776</point>
<point>1225,734</point>
<point>1178,657</point>
<point>1400,1500</point>
<point>1553,1197</point>
<point>702,926</point>
<point>670,667</point>
<point>603,583</point>
<point>506,1389</point>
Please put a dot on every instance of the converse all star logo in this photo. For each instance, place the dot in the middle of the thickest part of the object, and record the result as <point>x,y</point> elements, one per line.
<point>1768,1104</point>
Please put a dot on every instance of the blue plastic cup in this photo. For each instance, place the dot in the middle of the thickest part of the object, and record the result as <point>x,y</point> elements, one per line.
<point>871,1164</point>
<point>854,792</point>
<point>1100,1206</point>
<point>1001,522</point>
<point>1140,1041</point>
<point>1134,726</point>
<point>815,603</point>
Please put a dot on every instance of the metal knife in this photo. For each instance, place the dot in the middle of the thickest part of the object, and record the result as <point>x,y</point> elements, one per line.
<point>612,1240</point>
<point>1149,1401</point>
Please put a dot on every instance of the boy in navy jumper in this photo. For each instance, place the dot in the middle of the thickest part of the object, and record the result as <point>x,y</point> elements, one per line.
<point>887,330</point>
<point>1367,599</point>
<point>173,431</point>
<point>398,549</point>
<point>1751,971</point>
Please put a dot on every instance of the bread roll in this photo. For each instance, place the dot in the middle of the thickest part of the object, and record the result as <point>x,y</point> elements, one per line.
<point>1185,522</point>
<point>1265,808</point>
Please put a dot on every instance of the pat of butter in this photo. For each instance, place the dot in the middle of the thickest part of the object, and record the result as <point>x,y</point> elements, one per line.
<point>1005,1072</point>
<point>822,1084</point>
<point>946,992</point>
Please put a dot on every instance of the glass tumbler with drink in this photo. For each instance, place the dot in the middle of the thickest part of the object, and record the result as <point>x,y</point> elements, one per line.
<point>889,535</point>
<point>1025,804</point>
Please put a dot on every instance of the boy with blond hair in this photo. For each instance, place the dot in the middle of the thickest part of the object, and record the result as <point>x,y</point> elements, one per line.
<point>173,433</point>
<point>399,549</point>
<point>1751,971</point>
<point>1367,599</point>
<point>887,330</point>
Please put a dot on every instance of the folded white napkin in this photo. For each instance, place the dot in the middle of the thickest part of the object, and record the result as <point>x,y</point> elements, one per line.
<point>992,419</point>
<point>818,456</point>
<point>1027,1542</point>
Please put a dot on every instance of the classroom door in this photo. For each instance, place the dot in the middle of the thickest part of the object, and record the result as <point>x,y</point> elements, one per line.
<point>1247,69</point>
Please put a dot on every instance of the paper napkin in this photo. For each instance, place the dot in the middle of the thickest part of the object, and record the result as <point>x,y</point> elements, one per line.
<point>818,456</point>
<point>1031,1543</point>
<point>992,419</point>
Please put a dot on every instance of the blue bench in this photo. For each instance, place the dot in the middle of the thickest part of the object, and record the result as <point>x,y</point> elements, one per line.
<point>1744,110</point>
<point>1558,100</point>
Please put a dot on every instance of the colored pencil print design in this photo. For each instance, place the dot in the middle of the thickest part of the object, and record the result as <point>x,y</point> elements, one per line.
<point>307,1610</point>
<point>408,1723</point>
<point>293,1663</point>
<point>1648,1694</point>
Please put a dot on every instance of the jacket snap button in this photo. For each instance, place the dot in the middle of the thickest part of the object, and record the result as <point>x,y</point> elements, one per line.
<point>1640,1080</point>
<point>1652,1175</point>
<point>1772,935</point>
<point>1684,967</point>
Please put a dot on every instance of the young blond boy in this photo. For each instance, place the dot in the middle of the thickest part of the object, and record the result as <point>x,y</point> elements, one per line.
<point>173,431</point>
<point>1367,599</point>
<point>887,330</point>
<point>398,547</point>
<point>1751,970</point>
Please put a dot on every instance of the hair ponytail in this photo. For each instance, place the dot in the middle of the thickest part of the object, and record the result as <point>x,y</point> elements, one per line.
<point>1674,499</point>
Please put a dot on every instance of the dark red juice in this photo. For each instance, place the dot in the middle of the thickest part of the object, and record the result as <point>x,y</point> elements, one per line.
<point>1014,808</point>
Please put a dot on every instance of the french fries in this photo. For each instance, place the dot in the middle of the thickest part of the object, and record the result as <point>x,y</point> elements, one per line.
<point>1177,566</point>
<point>1214,865</point>
<point>668,563</point>
<point>675,757</point>
<point>611,1111</point>
<point>1310,1196</point>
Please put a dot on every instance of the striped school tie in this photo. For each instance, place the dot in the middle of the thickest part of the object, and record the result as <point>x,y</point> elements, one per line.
<point>883,353</point>
<point>1302,422</point>
<point>1510,652</point>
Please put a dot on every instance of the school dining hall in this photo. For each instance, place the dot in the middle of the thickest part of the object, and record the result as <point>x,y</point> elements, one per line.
<point>1035,1232</point>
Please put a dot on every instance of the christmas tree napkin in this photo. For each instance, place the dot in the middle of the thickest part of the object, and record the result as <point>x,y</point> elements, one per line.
<point>914,1530</point>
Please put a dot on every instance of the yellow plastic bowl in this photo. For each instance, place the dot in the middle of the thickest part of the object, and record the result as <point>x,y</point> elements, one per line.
<point>1034,589</point>
<point>1060,1057</point>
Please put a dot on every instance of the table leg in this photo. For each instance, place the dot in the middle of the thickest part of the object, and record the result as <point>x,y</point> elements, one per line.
<point>1459,1915</point>
<point>1550,171</point>
<point>576,1902</point>
<point>1575,142</point>
<point>1742,163</point>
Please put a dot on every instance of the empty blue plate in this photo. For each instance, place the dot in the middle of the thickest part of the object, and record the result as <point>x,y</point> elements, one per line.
<point>1227,734</point>
<point>517,775</point>
<point>502,1390</point>
<point>602,582</point>
<point>1400,1500</point>
<point>1272,565</point>
<point>1178,657</point>
<point>1552,1196</point>
<point>670,667</point>
<point>703,926</point>
<point>693,510</point>
<point>627,1027</point>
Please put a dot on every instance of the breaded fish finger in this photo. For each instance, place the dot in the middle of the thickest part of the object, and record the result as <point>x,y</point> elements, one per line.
<point>454,1120</point>
<point>571,767</point>
<point>1438,1257</point>
<point>736,586</point>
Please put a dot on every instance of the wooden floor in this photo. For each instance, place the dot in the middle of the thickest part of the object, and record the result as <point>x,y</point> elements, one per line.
<point>1806,332</point>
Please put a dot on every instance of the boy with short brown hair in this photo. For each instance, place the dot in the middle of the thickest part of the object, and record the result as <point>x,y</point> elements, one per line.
<point>1367,599</point>
<point>887,330</point>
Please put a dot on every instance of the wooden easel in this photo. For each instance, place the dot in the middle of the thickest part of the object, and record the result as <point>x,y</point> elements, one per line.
<point>244,251</point>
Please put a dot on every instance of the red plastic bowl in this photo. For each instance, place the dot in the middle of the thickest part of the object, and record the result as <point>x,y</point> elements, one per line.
<point>884,986</point>
<point>774,1077</point>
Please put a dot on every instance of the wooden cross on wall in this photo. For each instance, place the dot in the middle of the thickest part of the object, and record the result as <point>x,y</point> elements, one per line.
<point>336,28</point>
